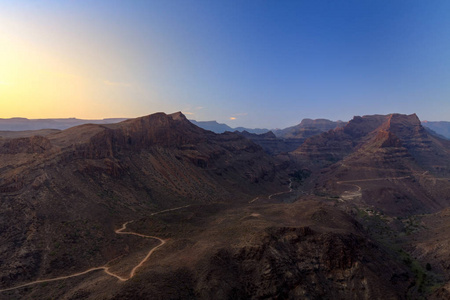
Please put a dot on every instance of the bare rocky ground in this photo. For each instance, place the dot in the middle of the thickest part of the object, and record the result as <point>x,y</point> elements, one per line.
<point>307,249</point>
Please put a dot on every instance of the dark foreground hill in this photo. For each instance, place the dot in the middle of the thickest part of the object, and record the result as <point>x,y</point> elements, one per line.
<point>292,251</point>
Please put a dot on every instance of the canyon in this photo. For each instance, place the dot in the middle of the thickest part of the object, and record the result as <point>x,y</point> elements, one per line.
<point>324,210</point>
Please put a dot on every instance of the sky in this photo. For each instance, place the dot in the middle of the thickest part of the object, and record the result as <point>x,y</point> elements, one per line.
<point>265,64</point>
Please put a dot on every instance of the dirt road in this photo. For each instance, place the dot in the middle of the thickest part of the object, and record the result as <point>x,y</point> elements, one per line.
<point>105,267</point>
<point>350,195</point>
<point>275,194</point>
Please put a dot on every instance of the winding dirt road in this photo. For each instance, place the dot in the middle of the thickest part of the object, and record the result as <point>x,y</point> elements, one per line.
<point>280,193</point>
<point>105,268</point>
<point>350,195</point>
<point>170,209</point>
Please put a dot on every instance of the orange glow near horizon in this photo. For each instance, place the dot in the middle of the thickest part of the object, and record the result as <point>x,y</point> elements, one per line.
<point>36,84</point>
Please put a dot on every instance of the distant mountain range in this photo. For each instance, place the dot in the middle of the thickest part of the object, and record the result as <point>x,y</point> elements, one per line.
<point>306,128</point>
<point>21,124</point>
<point>440,127</point>
<point>221,128</point>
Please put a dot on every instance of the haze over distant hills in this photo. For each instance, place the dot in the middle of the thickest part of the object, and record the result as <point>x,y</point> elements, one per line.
<point>221,128</point>
<point>440,127</point>
<point>306,128</point>
<point>21,124</point>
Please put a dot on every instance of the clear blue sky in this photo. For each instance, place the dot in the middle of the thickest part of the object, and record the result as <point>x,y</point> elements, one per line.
<point>263,63</point>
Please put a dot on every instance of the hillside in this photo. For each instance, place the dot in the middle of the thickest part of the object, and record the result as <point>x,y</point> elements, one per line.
<point>156,207</point>
<point>400,167</point>
<point>62,194</point>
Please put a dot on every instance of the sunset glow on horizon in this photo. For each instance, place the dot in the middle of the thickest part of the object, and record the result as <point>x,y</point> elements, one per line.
<point>37,83</point>
<point>256,63</point>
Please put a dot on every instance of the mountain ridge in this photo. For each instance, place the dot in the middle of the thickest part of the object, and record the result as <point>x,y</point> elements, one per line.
<point>92,176</point>
<point>226,217</point>
<point>391,146</point>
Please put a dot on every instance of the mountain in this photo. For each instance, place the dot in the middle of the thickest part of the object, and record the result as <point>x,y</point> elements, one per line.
<point>307,128</point>
<point>400,167</point>
<point>63,194</point>
<point>22,124</point>
<point>221,128</point>
<point>441,127</point>
<point>281,141</point>
<point>252,130</point>
<point>159,208</point>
